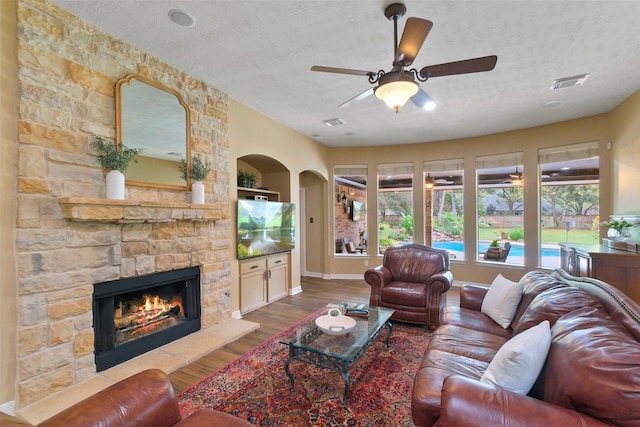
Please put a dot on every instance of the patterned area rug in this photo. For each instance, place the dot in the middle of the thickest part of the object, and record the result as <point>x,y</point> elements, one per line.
<point>256,387</point>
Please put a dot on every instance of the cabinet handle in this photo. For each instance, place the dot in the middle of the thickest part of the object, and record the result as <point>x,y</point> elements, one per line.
<point>278,261</point>
<point>269,274</point>
<point>254,266</point>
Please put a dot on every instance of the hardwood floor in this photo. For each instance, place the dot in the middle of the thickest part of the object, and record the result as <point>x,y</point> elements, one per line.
<point>275,317</point>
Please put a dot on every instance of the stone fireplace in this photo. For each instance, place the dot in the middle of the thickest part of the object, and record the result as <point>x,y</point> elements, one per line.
<point>135,315</point>
<point>68,237</point>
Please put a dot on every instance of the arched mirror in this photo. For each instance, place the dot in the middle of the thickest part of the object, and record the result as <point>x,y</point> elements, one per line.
<point>155,120</point>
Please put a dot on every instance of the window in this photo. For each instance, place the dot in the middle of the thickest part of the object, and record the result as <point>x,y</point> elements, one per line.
<point>500,208</point>
<point>350,208</point>
<point>444,206</point>
<point>569,198</point>
<point>395,205</point>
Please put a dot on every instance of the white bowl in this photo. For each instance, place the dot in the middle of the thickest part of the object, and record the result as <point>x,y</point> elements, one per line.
<point>335,325</point>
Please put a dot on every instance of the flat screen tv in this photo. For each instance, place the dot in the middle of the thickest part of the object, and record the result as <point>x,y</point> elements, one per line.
<point>265,227</point>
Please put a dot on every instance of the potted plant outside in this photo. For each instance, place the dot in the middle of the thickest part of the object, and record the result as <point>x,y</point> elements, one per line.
<point>115,158</point>
<point>198,172</point>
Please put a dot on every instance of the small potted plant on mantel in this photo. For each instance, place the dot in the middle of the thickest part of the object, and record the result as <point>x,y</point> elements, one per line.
<point>199,171</point>
<point>115,158</point>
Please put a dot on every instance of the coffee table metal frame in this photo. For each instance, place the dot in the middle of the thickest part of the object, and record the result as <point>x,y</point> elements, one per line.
<point>338,353</point>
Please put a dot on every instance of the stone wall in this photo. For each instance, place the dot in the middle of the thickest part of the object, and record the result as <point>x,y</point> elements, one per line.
<point>67,75</point>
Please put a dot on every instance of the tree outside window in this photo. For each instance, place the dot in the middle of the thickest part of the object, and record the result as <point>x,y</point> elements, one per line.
<point>395,205</point>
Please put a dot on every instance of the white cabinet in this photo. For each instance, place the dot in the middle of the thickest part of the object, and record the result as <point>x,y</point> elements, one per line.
<point>278,277</point>
<point>263,280</point>
<point>253,279</point>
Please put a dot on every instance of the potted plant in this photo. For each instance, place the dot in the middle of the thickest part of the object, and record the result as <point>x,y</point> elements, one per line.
<point>199,171</point>
<point>247,179</point>
<point>618,229</point>
<point>115,158</point>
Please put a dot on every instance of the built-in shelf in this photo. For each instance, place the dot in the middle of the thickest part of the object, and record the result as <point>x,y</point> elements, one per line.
<point>250,193</point>
<point>132,211</point>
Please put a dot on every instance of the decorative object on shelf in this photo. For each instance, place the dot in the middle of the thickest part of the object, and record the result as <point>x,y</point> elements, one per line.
<point>618,229</point>
<point>247,179</point>
<point>199,171</point>
<point>334,323</point>
<point>115,158</point>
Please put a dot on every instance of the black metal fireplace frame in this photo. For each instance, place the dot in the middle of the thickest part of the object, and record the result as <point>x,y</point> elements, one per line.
<point>106,353</point>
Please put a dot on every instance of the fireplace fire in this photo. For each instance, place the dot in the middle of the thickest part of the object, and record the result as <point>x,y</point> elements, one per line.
<point>138,317</point>
<point>138,314</point>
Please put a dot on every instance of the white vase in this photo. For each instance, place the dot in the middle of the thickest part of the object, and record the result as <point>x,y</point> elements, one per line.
<point>197,193</point>
<point>115,185</point>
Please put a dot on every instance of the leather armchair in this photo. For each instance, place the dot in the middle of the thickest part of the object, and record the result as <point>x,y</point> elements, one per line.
<point>412,280</point>
<point>145,399</point>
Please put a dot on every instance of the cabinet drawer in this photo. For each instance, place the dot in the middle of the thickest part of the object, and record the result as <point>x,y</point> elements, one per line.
<point>277,260</point>
<point>253,265</point>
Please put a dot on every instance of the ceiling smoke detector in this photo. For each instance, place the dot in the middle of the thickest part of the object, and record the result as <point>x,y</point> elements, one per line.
<point>569,81</point>
<point>333,122</point>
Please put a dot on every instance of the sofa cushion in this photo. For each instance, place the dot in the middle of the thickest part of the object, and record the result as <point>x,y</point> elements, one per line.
<point>466,342</point>
<point>501,301</point>
<point>405,293</point>
<point>436,366</point>
<point>517,364</point>
<point>472,319</point>
<point>533,283</point>
<point>553,303</point>
<point>593,367</point>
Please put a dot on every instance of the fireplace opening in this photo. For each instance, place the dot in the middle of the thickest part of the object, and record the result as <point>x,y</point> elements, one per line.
<point>135,315</point>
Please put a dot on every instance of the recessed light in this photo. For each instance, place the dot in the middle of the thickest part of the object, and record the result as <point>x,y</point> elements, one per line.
<point>182,18</point>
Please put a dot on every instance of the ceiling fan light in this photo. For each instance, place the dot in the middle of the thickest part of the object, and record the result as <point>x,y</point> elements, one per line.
<point>396,93</point>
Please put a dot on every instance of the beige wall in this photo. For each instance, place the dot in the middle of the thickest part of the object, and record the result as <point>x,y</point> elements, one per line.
<point>253,133</point>
<point>8,156</point>
<point>625,132</point>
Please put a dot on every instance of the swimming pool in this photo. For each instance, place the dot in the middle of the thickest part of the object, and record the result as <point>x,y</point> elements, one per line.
<point>516,250</point>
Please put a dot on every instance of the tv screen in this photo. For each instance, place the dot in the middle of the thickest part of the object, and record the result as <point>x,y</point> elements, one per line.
<point>265,227</point>
<point>357,211</point>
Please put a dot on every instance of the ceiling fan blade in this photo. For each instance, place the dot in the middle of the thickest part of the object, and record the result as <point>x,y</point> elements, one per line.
<point>342,71</point>
<point>422,98</point>
<point>413,36</point>
<point>357,98</point>
<point>475,65</point>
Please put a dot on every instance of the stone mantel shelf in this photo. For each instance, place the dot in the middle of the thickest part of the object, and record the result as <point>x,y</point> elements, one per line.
<point>133,211</point>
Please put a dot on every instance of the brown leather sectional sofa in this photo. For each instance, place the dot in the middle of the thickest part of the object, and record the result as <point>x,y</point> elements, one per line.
<point>146,399</point>
<point>591,376</point>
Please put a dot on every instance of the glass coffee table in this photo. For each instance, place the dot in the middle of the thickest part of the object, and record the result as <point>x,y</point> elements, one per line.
<point>337,352</point>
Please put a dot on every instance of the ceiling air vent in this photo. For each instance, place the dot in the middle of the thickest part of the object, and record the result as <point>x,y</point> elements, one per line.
<point>569,81</point>
<point>333,122</point>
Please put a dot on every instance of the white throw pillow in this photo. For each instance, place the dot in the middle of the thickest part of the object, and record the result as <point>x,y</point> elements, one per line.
<point>502,300</point>
<point>517,364</point>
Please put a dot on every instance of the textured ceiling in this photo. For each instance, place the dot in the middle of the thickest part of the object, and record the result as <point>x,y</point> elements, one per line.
<point>260,53</point>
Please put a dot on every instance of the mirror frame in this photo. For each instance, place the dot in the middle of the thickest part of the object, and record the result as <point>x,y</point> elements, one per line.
<point>118,95</point>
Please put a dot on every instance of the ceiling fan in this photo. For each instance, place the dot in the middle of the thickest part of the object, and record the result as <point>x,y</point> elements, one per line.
<point>516,179</point>
<point>431,182</point>
<point>396,86</point>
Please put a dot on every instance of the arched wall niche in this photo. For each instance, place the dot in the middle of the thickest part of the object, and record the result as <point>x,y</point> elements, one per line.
<point>271,175</point>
